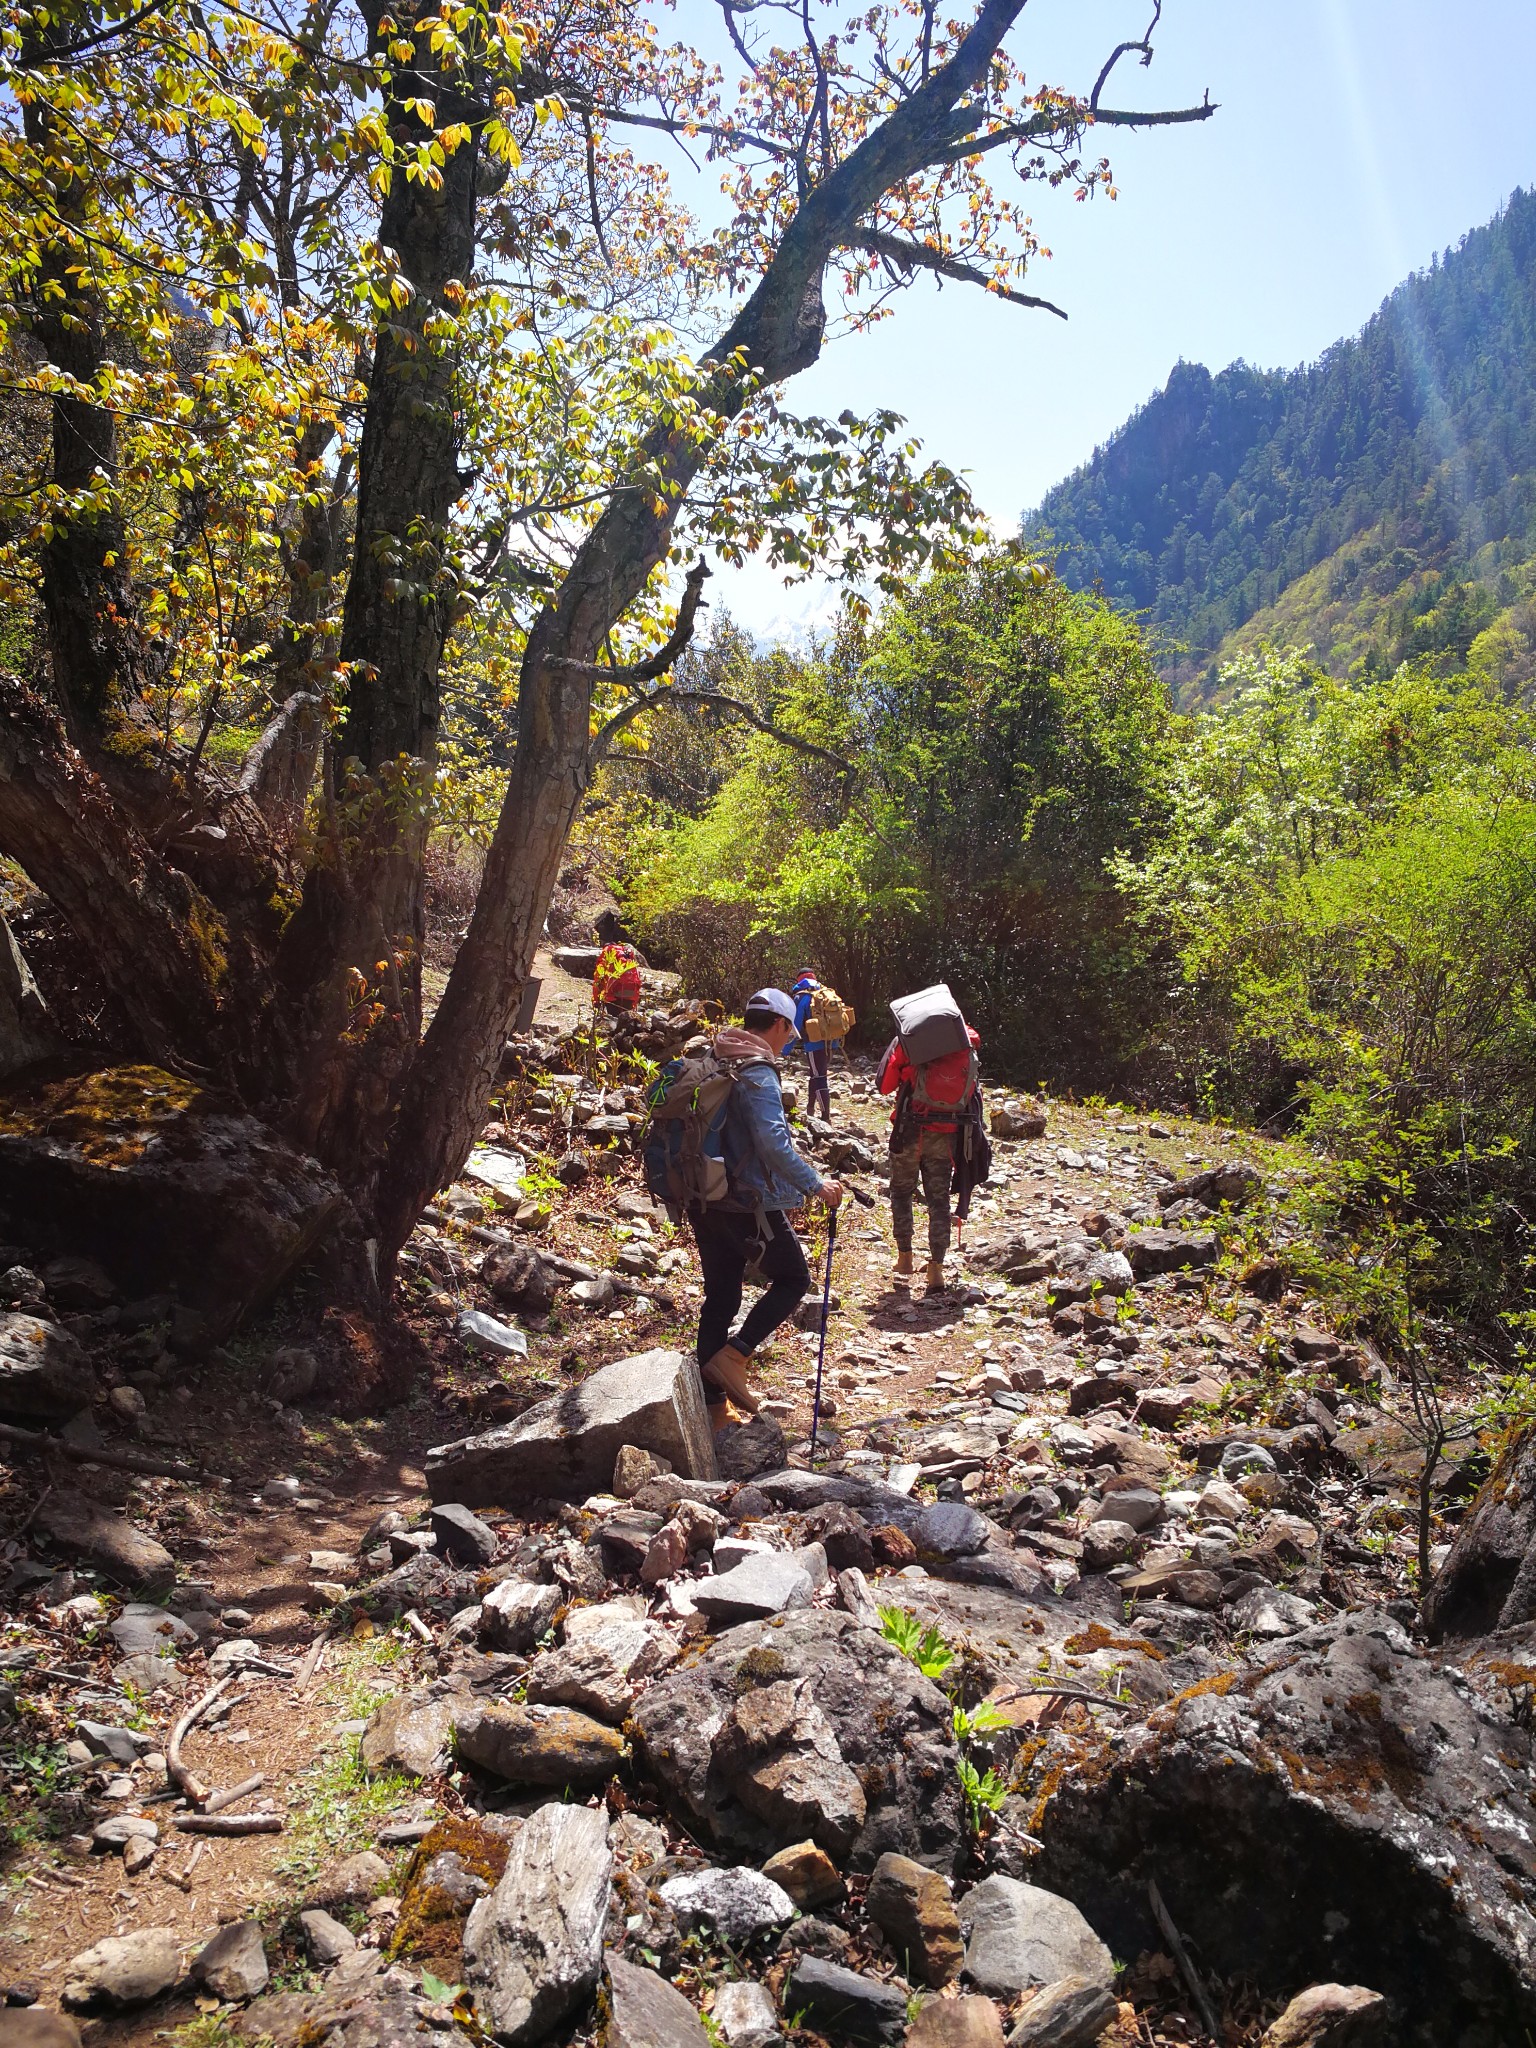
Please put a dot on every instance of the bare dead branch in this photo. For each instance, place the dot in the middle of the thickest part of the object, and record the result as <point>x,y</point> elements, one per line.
<point>1124,50</point>
<point>186,1782</point>
<point>597,217</point>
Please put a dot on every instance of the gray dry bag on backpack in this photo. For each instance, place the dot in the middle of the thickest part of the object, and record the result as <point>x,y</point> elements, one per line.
<point>929,1024</point>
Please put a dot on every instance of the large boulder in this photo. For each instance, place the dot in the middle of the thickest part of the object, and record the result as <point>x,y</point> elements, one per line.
<point>108,1542</point>
<point>565,1447</point>
<point>1338,1810</point>
<point>806,1727</point>
<point>44,1375</point>
<point>1489,1579</point>
<point>533,1949</point>
<point>165,1186</point>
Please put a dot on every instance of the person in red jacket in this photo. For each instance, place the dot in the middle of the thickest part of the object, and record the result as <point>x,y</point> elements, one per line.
<point>929,1110</point>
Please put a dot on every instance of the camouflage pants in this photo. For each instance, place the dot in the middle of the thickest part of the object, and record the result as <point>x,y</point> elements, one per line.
<point>929,1157</point>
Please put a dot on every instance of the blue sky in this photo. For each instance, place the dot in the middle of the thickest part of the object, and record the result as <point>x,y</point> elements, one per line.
<point>1355,139</point>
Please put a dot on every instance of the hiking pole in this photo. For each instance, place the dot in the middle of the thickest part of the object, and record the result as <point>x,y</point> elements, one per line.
<point>821,1348</point>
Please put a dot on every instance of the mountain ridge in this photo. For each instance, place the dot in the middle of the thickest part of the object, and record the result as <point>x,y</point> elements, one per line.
<point>1376,503</point>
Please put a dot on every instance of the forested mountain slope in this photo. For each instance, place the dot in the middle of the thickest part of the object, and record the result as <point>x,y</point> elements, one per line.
<point>1378,503</point>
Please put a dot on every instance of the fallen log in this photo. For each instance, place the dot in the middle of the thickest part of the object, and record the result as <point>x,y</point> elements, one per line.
<point>119,1461</point>
<point>230,1823</point>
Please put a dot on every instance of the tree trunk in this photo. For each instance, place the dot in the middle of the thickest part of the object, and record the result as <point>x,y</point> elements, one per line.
<point>348,1000</point>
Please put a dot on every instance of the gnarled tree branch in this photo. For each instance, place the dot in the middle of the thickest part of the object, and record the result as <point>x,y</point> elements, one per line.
<point>909,256</point>
<point>658,663</point>
<point>678,698</point>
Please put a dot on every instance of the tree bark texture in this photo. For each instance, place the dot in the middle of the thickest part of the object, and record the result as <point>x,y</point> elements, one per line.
<point>347,1015</point>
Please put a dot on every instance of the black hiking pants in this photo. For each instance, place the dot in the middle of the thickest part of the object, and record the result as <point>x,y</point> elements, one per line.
<point>818,1058</point>
<point>728,1243</point>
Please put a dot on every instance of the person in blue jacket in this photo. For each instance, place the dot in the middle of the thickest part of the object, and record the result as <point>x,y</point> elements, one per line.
<point>767,1176</point>
<point>818,1053</point>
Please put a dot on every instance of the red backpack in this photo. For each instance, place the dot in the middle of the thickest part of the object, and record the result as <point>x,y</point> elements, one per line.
<point>942,1089</point>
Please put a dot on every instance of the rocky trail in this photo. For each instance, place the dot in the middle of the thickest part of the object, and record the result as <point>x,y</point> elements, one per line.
<point>1077,1694</point>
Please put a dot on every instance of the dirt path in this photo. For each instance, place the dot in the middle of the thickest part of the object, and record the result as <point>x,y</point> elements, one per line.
<point>895,1365</point>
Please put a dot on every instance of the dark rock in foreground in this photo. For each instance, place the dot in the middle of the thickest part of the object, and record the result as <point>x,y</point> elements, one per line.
<point>1489,1579</point>
<point>1341,1811</point>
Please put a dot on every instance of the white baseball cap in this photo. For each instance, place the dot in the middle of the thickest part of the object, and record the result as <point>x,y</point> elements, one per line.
<point>775,999</point>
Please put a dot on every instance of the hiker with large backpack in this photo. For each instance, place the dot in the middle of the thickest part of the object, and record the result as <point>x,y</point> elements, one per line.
<point>718,1150</point>
<point>821,1019</point>
<point>931,1068</point>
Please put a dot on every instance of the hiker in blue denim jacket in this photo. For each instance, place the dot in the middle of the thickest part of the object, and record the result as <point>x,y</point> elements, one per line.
<point>767,1176</point>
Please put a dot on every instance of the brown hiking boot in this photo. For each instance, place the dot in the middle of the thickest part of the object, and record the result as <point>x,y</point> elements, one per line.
<point>903,1274</point>
<point>727,1371</point>
<point>934,1281</point>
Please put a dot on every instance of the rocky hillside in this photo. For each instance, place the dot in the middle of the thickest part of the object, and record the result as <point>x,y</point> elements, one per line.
<point>1073,1693</point>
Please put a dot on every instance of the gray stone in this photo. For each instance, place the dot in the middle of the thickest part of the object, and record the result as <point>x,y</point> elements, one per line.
<point>326,1941</point>
<point>44,1375</point>
<point>1239,1460</point>
<point>1489,1579</point>
<point>1268,1614</point>
<point>26,1030</point>
<point>645,2011</point>
<point>1106,1544</point>
<point>565,1447</point>
<point>553,1746</point>
<point>844,2006</point>
<point>533,1949</point>
<point>753,1774</point>
<point>1070,2014</point>
<point>122,1745</point>
<point>141,1628</point>
<point>479,1332</point>
<point>743,1449</point>
<point>119,1829</point>
<point>515,1613</point>
<point>113,1546</point>
<point>1017,1935</point>
<point>757,1587</point>
<point>1141,1506</point>
<point>1234,1181</point>
<point>1330,2016</point>
<point>745,2015</point>
<point>233,1966</point>
<point>123,1971</point>
<point>950,1529</point>
<point>349,1880</point>
<point>408,1734</point>
<point>462,1535</point>
<point>603,1669</point>
<point>739,1904</point>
